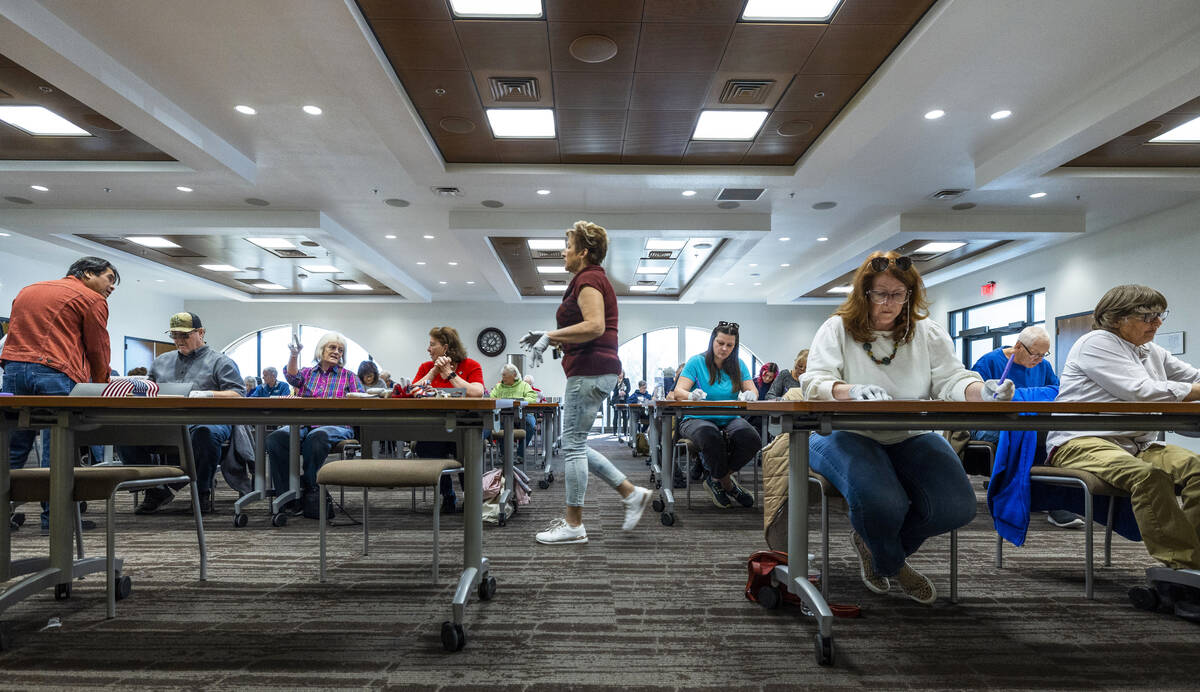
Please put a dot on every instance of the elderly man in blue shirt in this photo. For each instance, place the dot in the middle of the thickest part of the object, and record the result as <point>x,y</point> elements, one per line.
<point>271,384</point>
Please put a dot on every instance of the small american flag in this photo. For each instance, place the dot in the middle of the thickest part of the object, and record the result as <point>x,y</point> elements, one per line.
<point>124,386</point>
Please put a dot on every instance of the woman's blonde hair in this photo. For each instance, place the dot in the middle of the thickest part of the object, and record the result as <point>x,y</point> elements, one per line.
<point>856,311</point>
<point>590,238</point>
<point>801,362</point>
<point>448,337</point>
<point>330,338</point>
<point>1125,300</point>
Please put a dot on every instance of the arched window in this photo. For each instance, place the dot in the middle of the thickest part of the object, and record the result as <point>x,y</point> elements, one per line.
<point>646,355</point>
<point>269,346</point>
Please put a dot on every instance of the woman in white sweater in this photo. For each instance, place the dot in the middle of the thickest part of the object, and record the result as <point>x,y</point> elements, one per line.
<point>902,486</point>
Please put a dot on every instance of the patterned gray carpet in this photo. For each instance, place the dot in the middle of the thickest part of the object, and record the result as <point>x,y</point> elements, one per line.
<point>660,608</point>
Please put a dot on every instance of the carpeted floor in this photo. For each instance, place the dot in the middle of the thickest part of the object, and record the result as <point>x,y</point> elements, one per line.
<point>659,608</point>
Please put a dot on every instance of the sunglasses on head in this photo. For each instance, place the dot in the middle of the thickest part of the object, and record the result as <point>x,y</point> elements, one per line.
<point>903,263</point>
<point>731,326</point>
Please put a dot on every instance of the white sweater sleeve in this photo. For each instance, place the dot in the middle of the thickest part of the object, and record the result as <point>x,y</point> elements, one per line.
<point>948,378</point>
<point>1103,361</point>
<point>826,361</point>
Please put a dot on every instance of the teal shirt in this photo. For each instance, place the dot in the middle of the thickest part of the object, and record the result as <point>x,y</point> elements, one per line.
<point>721,390</point>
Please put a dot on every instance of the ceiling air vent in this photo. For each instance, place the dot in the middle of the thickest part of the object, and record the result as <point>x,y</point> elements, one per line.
<point>658,254</point>
<point>952,193</point>
<point>548,254</point>
<point>510,89</point>
<point>646,282</point>
<point>447,191</point>
<point>746,91</point>
<point>288,253</point>
<point>739,194</point>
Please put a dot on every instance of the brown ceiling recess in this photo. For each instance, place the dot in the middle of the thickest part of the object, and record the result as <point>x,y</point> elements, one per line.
<point>109,141</point>
<point>1134,149</point>
<point>627,79</point>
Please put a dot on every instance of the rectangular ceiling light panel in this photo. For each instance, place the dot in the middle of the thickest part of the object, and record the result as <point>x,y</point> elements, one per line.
<point>551,269</point>
<point>646,289</point>
<point>1188,132</point>
<point>729,125</point>
<point>789,10</point>
<point>320,269</point>
<point>521,123</point>
<point>268,286</point>
<point>151,241</point>
<point>661,244</point>
<point>220,267</point>
<point>554,287</point>
<point>937,248</point>
<point>497,9</point>
<point>547,243</point>
<point>272,243</point>
<point>650,269</point>
<point>355,286</point>
<point>36,120</point>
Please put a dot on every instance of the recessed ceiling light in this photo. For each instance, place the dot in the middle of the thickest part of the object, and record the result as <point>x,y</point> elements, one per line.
<point>389,236</point>
<point>645,289</point>
<point>1187,132</point>
<point>220,267</point>
<point>320,269</point>
<point>935,114</point>
<point>543,192</point>
<point>183,188</point>
<point>36,120</point>
<point>758,283</point>
<point>443,283</point>
<point>784,239</point>
<point>689,193</point>
<point>754,264</point>
<point>547,243</point>
<point>470,283</point>
<point>840,289</point>
<point>1037,195</point>
<point>653,270</point>
<point>160,281</point>
<point>1000,115</point>
<point>554,287</point>
<point>312,110</point>
<point>420,264</point>
<point>355,286</point>
<point>497,8</point>
<point>40,188</point>
<point>934,248</point>
<point>267,285</point>
<point>728,283</point>
<point>785,264</point>
<point>729,125</point>
<point>551,269</point>
<point>660,244</point>
<point>4,235</point>
<point>789,10</point>
<point>452,264</point>
<point>521,122</point>
<point>245,110</point>
<point>427,237</point>
<point>272,243</point>
<point>151,241</point>
<point>822,239</point>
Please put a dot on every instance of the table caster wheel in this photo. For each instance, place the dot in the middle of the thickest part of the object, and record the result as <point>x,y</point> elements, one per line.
<point>658,484</point>
<point>824,650</point>
<point>658,505</point>
<point>453,636</point>
<point>667,519</point>
<point>124,587</point>
<point>502,519</point>
<point>62,592</point>
<point>279,520</point>
<point>240,521</point>
<point>769,597</point>
<point>1144,598</point>
<point>487,588</point>
<point>543,484</point>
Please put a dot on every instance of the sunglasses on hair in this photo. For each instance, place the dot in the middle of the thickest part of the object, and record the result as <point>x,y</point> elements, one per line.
<point>732,326</point>
<point>903,263</point>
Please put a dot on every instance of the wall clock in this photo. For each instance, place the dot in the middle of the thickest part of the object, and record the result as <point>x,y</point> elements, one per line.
<point>491,342</point>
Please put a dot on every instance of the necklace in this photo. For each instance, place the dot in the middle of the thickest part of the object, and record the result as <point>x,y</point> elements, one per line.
<point>881,361</point>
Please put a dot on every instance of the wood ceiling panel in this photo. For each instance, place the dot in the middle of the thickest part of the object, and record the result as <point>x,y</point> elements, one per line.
<point>409,9</point>
<point>715,152</point>
<point>492,45</point>
<point>853,49</point>
<point>1192,107</point>
<point>422,87</point>
<point>835,92</point>
<point>1133,149</point>
<point>693,11</point>
<point>592,91</point>
<point>905,12</point>
<point>527,150</point>
<point>681,47</point>
<point>770,47</point>
<point>478,145</point>
<point>591,125</point>
<point>770,129</point>
<point>624,34</point>
<point>582,11</point>
<point>657,136</point>
<point>420,45</point>
<point>585,151</point>
<point>662,91</point>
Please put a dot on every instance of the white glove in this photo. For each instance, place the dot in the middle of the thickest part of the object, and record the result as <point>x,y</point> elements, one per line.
<point>200,394</point>
<point>869,392</point>
<point>698,395</point>
<point>748,396</point>
<point>995,390</point>
<point>536,343</point>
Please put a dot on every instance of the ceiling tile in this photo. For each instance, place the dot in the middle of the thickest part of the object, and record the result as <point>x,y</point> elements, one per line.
<point>835,90</point>
<point>504,45</point>
<point>1192,106</point>
<point>770,47</point>
<point>597,151</point>
<point>592,90</point>
<point>419,44</point>
<point>475,146</point>
<point>769,94</point>
<point>881,11</point>
<point>409,9</point>
<point>583,11</point>
<point>527,150</point>
<point>770,133</point>
<point>681,48</point>
<point>580,126</point>
<point>694,11</point>
<point>624,34</point>
<point>664,91</point>
<point>658,135</point>
<point>727,153</point>
<point>458,85</point>
<point>853,49</point>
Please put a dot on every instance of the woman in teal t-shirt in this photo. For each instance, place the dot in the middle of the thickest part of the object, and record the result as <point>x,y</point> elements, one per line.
<point>726,443</point>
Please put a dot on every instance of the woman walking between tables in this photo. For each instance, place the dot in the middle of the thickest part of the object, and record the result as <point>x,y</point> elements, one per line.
<point>587,334</point>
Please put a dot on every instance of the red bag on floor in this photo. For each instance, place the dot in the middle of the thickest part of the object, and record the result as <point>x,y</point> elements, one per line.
<point>764,589</point>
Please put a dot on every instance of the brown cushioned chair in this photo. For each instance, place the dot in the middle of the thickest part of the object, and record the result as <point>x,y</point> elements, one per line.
<point>385,473</point>
<point>497,437</point>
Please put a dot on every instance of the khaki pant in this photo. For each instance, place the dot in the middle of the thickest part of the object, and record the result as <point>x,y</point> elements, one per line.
<point>1170,532</point>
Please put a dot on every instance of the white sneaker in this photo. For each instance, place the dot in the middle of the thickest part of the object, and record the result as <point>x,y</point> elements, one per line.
<point>562,532</point>
<point>635,505</point>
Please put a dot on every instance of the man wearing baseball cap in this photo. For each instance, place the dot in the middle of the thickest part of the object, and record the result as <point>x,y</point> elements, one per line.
<point>211,374</point>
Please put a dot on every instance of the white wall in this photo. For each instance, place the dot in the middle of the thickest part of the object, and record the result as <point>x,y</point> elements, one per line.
<point>135,309</point>
<point>396,335</point>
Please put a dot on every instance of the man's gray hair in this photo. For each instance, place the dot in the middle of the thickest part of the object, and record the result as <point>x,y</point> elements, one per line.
<point>271,369</point>
<point>1032,333</point>
<point>510,369</point>
<point>325,340</point>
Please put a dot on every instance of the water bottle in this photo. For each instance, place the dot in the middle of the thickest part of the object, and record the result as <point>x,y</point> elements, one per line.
<point>658,392</point>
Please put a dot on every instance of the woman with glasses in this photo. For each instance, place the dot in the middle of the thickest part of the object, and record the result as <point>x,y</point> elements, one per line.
<point>726,443</point>
<point>1119,361</point>
<point>787,379</point>
<point>901,487</point>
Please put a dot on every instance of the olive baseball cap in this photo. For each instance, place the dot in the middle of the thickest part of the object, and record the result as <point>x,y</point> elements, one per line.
<point>185,322</point>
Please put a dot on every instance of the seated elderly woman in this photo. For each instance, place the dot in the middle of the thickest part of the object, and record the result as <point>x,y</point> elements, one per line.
<point>901,487</point>
<point>511,386</point>
<point>1119,361</point>
<point>328,378</point>
<point>726,443</point>
<point>789,379</point>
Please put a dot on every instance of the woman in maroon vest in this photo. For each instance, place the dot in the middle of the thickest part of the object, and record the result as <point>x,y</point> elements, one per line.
<point>587,333</point>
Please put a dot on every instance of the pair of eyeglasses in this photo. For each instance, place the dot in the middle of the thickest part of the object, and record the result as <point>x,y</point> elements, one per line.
<point>883,297</point>
<point>1149,317</point>
<point>903,263</point>
<point>733,326</point>
<point>1035,354</point>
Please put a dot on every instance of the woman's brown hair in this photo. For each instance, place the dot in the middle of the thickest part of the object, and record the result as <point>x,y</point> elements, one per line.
<point>591,238</point>
<point>448,337</point>
<point>856,311</point>
<point>1121,302</point>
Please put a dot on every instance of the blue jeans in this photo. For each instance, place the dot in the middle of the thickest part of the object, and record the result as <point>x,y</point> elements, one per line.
<point>992,436</point>
<point>582,399</point>
<point>527,424</point>
<point>207,443</point>
<point>315,444</point>
<point>899,494</point>
<point>33,379</point>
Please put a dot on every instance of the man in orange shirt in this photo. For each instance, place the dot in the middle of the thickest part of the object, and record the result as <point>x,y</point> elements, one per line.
<point>57,338</point>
